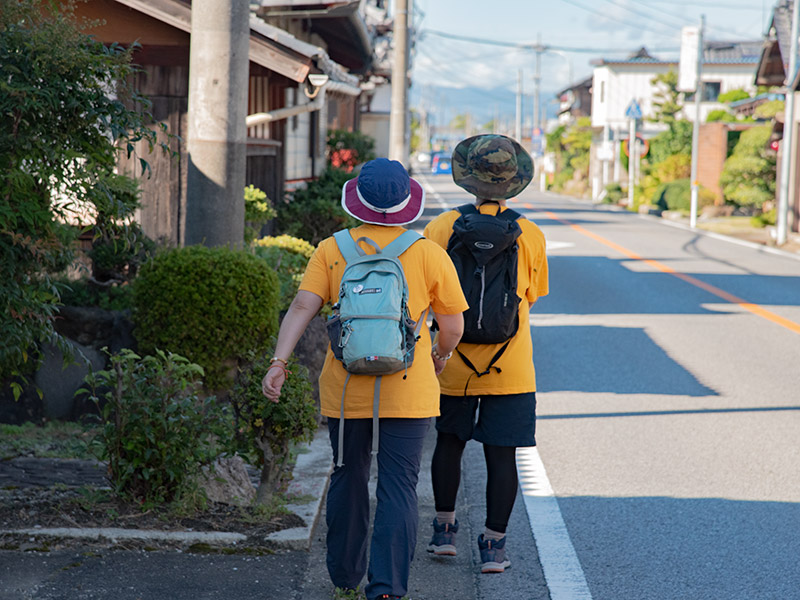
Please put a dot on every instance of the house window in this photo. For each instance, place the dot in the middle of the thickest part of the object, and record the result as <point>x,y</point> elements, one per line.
<point>711,91</point>
<point>602,92</point>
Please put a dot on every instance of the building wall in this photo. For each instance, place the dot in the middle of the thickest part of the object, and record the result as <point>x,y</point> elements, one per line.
<point>713,150</point>
<point>614,86</point>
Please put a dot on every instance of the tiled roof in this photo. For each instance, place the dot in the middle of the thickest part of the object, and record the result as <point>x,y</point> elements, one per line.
<point>718,53</point>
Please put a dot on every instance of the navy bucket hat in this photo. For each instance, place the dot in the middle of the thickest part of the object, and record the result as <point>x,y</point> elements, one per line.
<point>383,194</point>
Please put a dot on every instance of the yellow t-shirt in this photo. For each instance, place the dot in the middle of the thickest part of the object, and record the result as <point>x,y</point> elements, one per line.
<point>432,281</point>
<point>518,374</point>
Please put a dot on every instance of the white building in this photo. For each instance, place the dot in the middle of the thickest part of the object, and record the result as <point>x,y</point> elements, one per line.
<point>616,83</point>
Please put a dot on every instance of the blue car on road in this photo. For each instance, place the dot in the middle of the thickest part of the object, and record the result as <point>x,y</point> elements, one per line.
<point>440,163</point>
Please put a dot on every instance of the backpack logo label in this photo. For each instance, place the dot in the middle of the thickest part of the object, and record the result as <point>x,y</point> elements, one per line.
<point>362,290</point>
<point>484,245</point>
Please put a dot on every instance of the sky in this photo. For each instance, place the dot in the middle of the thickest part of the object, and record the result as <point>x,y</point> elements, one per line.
<point>605,28</point>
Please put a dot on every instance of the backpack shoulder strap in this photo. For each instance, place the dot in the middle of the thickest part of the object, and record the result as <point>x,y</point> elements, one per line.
<point>347,246</point>
<point>401,244</point>
<point>508,215</point>
<point>468,209</point>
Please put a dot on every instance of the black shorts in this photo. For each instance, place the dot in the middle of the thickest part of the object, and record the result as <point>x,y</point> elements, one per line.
<point>506,420</point>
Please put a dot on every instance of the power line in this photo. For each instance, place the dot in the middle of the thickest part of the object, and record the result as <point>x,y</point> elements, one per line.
<point>725,5</point>
<point>630,9</point>
<point>636,26</point>
<point>531,45</point>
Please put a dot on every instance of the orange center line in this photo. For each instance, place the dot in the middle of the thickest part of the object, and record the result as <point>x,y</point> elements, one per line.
<point>728,297</point>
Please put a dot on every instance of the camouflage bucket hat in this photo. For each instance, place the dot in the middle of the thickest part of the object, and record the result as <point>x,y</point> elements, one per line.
<point>492,166</point>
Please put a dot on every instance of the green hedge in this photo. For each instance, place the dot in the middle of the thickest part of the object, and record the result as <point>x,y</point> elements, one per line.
<point>211,305</point>
<point>677,195</point>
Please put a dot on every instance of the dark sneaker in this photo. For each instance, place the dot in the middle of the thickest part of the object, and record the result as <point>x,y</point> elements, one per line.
<point>493,555</point>
<point>443,542</point>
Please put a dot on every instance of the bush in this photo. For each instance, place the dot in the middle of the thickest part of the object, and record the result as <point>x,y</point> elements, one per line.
<point>347,149</point>
<point>265,429</point>
<point>257,211</point>
<point>763,219</point>
<point>768,110</point>
<point>677,195</point>
<point>82,292</point>
<point>211,305</point>
<point>156,431</point>
<point>315,211</point>
<point>720,114</point>
<point>748,176</point>
<point>288,257</point>
<point>732,96</point>
<point>614,193</point>
<point>676,140</point>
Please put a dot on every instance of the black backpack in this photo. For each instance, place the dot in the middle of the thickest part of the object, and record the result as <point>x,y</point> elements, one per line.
<point>484,250</point>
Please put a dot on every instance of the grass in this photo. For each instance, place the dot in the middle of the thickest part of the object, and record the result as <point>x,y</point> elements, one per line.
<point>54,439</point>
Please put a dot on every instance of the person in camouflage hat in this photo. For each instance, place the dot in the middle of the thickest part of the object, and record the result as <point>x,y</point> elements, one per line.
<point>492,166</point>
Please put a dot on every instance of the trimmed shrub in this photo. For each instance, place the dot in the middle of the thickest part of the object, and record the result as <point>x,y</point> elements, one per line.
<point>677,195</point>
<point>211,305</point>
<point>614,193</point>
<point>156,431</point>
<point>315,211</point>
<point>288,257</point>
<point>265,430</point>
<point>748,177</point>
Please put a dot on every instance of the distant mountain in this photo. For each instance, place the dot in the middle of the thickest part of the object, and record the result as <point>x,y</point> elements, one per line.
<point>443,104</point>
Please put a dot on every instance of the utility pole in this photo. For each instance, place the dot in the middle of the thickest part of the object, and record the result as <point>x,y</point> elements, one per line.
<point>398,115</point>
<point>537,79</point>
<point>698,97</point>
<point>518,129</point>
<point>217,135</point>
<point>788,141</point>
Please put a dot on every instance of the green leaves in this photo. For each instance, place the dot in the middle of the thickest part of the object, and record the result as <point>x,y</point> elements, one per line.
<point>748,177</point>
<point>157,429</point>
<point>211,305</point>
<point>63,123</point>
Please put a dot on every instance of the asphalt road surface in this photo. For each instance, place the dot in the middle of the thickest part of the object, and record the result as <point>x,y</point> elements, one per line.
<point>667,370</point>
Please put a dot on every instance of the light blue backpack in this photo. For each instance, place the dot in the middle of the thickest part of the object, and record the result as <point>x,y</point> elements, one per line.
<point>371,330</point>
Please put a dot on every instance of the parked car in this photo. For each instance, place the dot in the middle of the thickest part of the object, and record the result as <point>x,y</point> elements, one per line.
<point>440,163</point>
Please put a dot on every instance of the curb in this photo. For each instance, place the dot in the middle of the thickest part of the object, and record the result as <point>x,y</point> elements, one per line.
<point>309,481</point>
<point>309,485</point>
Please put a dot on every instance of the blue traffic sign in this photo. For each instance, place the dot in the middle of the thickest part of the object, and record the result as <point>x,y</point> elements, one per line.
<point>634,111</point>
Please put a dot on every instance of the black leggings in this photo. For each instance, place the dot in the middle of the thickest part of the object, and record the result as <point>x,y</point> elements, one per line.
<point>501,483</point>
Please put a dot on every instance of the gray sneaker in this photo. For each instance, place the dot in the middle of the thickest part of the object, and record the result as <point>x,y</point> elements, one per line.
<point>493,555</point>
<point>443,542</point>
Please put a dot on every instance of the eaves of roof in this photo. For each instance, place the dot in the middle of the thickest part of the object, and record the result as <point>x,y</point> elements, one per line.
<point>270,47</point>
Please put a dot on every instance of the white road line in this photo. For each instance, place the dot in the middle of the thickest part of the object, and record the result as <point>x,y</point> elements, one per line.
<point>430,191</point>
<point>554,245</point>
<point>562,570</point>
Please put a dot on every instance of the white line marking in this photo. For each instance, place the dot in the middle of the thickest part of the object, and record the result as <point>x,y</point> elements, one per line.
<point>553,245</point>
<point>562,570</point>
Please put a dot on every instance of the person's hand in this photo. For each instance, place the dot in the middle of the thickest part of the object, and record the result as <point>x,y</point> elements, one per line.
<point>438,365</point>
<point>273,382</point>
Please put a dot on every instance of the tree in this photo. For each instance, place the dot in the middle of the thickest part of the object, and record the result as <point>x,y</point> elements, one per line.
<point>64,101</point>
<point>666,99</point>
<point>748,177</point>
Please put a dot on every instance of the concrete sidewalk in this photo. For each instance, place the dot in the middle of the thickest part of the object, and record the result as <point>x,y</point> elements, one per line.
<point>296,570</point>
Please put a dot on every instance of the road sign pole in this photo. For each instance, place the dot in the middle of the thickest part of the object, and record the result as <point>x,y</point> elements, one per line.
<point>788,135</point>
<point>696,126</point>
<point>631,160</point>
